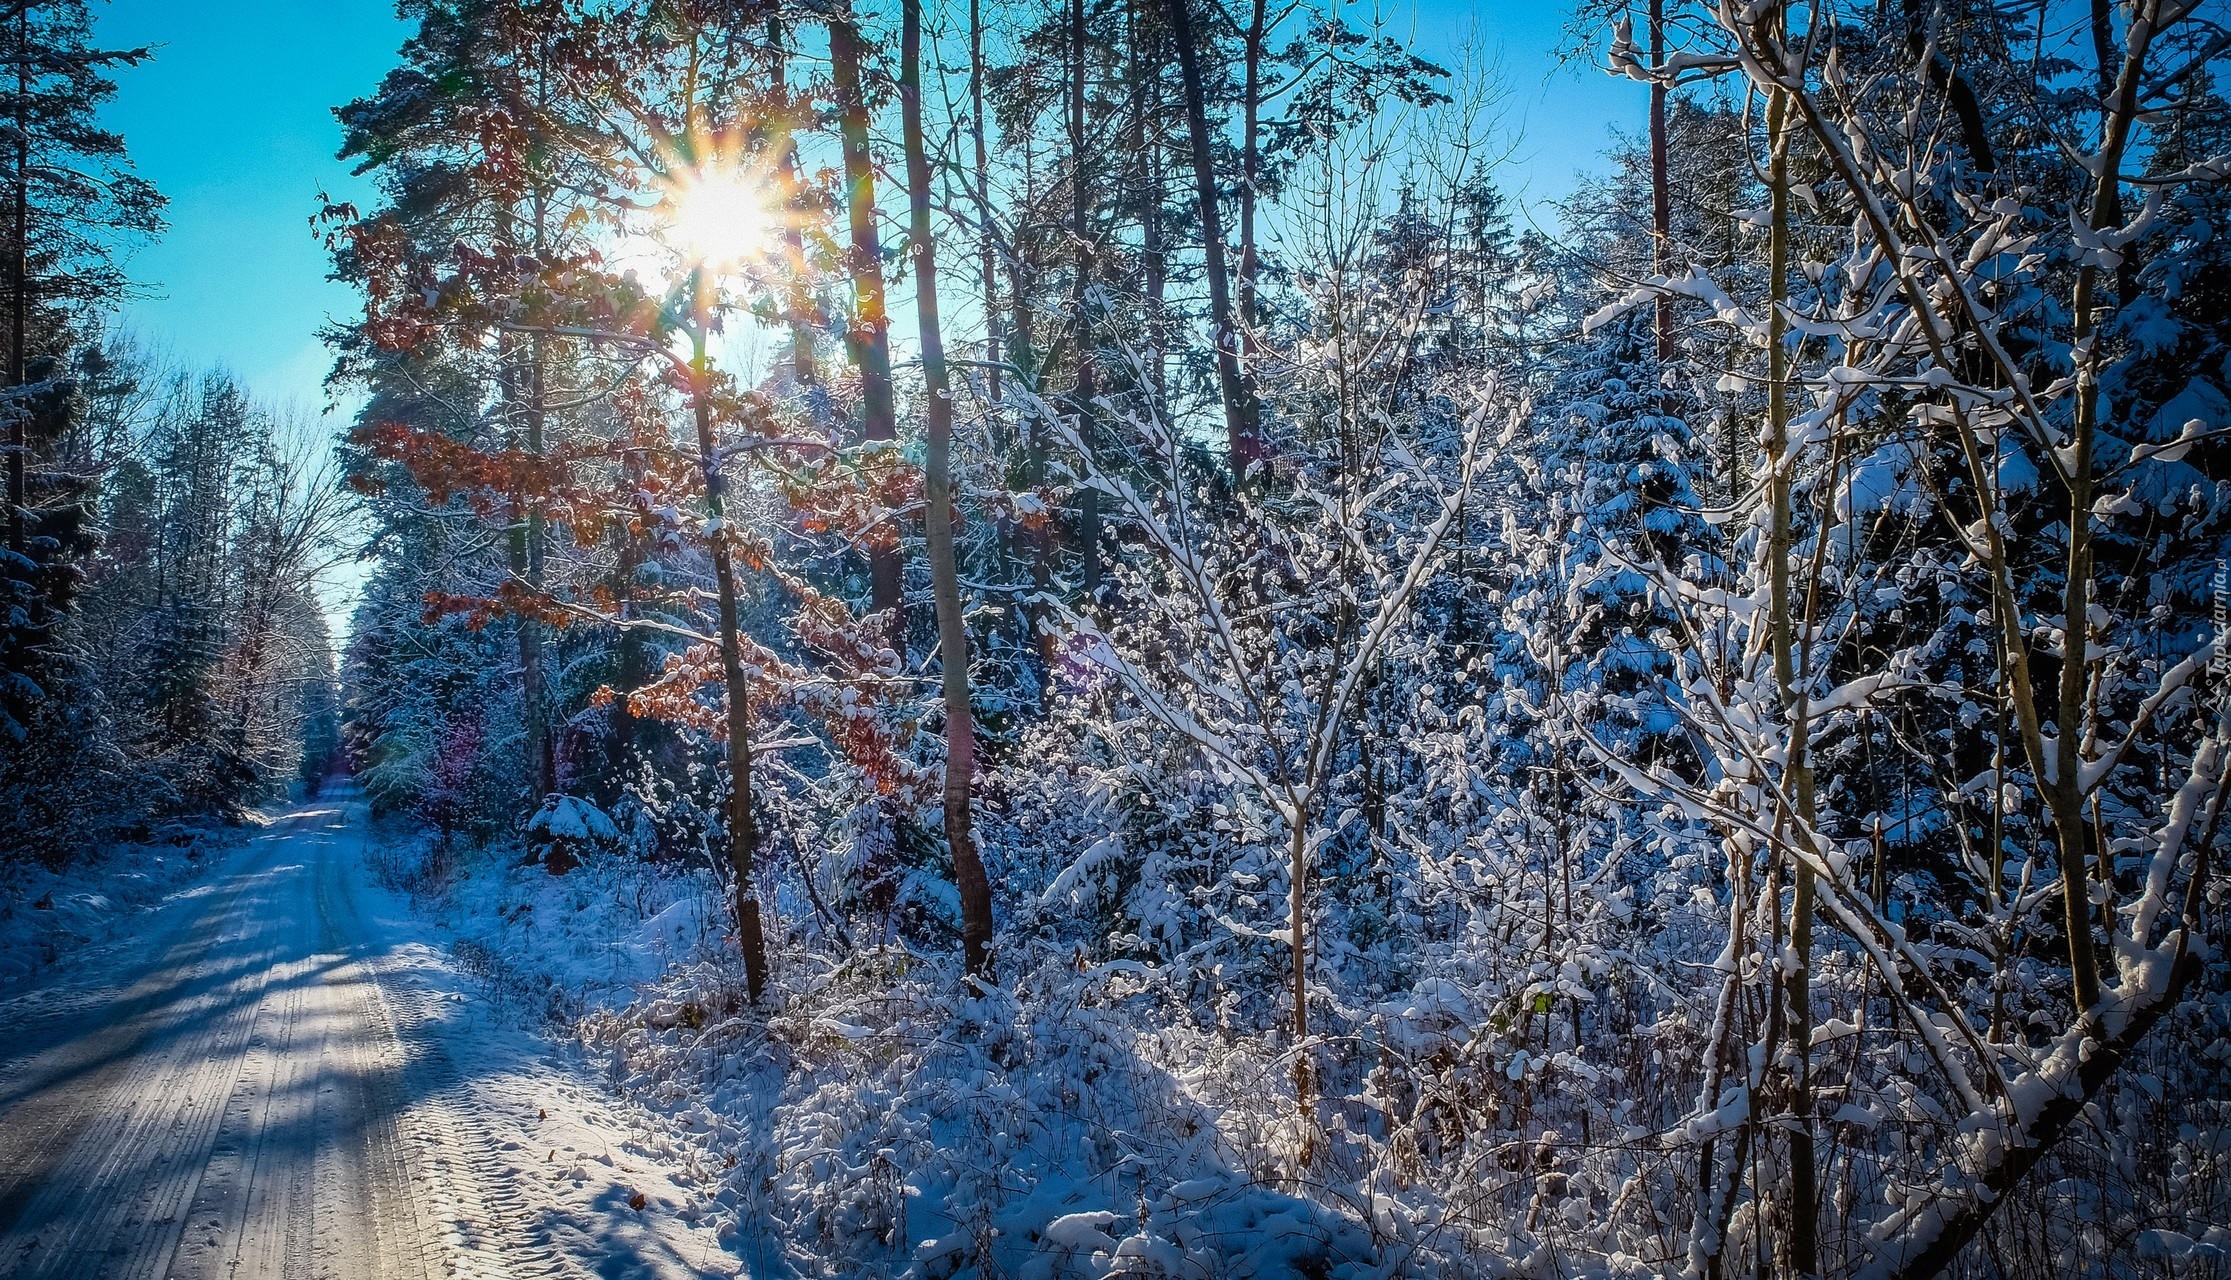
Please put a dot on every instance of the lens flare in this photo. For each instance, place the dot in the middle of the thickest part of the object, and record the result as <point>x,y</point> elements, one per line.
<point>718,218</point>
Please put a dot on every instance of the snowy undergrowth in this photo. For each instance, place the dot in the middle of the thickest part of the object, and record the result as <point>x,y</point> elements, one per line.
<point>554,945</point>
<point>1030,1133</point>
<point>1080,1121</point>
<point>47,915</point>
<point>877,1125</point>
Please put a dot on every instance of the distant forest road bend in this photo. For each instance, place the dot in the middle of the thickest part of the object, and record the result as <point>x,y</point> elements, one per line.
<point>230,1103</point>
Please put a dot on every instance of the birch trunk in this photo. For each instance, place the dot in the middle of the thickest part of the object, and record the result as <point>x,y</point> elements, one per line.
<point>952,630</point>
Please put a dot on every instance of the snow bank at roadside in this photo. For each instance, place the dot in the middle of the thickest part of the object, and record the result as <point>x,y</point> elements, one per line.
<point>876,1125</point>
<point>531,1160</point>
<point>46,916</point>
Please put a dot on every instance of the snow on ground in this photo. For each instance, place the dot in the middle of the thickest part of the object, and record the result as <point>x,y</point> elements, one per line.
<point>46,915</point>
<point>283,1066</point>
<point>528,1151</point>
<point>875,1124</point>
<point>588,1096</point>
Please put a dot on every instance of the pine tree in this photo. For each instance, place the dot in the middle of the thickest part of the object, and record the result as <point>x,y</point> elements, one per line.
<point>74,206</point>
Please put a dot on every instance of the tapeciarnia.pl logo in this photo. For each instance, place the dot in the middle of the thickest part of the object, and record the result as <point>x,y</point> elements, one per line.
<point>2220,664</point>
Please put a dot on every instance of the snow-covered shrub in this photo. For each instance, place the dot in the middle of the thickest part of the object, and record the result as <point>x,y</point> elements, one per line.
<point>566,831</point>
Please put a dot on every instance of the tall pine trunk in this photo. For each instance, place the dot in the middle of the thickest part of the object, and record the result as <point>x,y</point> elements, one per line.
<point>870,337</point>
<point>1023,266</point>
<point>1661,194</point>
<point>799,302</point>
<point>525,392</point>
<point>1147,155</point>
<point>1250,172</point>
<point>527,562</point>
<point>945,584</point>
<point>520,383</point>
<point>987,250</point>
<point>1082,391</point>
<point>1242,444</point>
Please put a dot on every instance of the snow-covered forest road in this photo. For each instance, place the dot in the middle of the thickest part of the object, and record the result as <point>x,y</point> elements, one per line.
<point>268,1078</point>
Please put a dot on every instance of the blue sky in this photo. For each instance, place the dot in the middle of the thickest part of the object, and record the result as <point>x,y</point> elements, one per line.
<point>233,121</point>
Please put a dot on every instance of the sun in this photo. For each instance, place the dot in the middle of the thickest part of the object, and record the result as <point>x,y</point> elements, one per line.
<point>717,217</point>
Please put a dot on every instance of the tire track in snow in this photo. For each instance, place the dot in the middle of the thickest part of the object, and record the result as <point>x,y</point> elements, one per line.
<point>490,1230</point>
<point>489,1100</point>
<point>276,1085</point>
<point>134,1138</point>
<point>231,1113</point>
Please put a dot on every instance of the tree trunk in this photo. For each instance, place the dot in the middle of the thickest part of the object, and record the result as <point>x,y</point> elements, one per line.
<point>19,299</point>
<point>986,249</point>
<point>518,383</point>
<point>945,586</point>
<point>1804,1197</point>
<point>1023,265</point>
<point>2066,793</point>
<point>1083,391</point>
<point>1298,949</point>
<point>528,539</point>
<point>527,565</point>
<point>743,835</point>
<point>1250,174</point>
<point>1959,95</point>
<point>633,668</point>
<point>803,367</point>
<point>1153,259</point>
<point>1661,192</point>
<point>870,338</point>
<point>1242,444</point>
